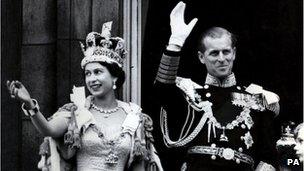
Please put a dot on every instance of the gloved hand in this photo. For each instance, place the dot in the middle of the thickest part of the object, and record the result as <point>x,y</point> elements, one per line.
<point>179,29</point>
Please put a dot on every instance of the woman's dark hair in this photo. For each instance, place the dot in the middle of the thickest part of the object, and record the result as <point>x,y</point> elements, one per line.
<point>115,71</point>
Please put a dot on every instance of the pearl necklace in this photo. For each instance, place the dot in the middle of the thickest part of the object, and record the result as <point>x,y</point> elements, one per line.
<point>106,113</point>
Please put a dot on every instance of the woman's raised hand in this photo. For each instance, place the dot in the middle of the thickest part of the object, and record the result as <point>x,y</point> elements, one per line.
<point>179,29</point>
<point>18,91</point>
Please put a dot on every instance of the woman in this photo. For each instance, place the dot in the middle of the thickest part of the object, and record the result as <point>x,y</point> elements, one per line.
<point>299,147</point>
<point>104,133</point>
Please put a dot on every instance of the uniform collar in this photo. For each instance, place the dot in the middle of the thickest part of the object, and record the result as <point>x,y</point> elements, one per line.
<point>227,82</point>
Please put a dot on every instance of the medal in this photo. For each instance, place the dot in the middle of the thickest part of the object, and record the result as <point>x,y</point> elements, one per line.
<point>223,136</point>
<point>242,120</point>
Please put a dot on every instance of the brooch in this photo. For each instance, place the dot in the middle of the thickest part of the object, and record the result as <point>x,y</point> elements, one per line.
<point>247,138</point>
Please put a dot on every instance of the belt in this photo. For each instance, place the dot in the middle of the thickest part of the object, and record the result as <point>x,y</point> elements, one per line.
<point>226,153</point>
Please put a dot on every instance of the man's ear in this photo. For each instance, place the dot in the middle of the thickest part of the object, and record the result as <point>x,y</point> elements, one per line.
<point>234,53</point>
<point>201,57</point>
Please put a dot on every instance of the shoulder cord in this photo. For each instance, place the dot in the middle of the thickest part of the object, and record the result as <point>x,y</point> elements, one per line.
<point>184,139</point>
<point>182,135</point>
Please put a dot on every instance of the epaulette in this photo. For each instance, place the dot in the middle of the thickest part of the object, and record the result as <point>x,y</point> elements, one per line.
<point>269,99</point>
<point>189,88</point>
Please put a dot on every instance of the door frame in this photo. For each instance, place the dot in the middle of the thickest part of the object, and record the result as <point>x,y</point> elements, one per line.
<point>132,35</point>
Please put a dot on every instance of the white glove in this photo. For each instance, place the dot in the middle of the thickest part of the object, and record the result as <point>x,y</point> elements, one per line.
<point>179,29</point>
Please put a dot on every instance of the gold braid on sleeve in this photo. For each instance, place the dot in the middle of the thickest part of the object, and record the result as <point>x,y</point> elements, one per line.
<point>167,69</point>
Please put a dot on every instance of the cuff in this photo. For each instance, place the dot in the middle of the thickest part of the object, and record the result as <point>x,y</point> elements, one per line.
<point>168,67</point>
<point>175,40</point>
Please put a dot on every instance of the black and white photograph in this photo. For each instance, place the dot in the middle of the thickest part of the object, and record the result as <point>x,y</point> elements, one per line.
<point>152,85</point>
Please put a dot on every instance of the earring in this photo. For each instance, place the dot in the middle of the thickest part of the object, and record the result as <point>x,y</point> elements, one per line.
<point>114,85</point>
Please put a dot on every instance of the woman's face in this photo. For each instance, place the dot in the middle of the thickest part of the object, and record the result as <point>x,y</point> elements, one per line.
<point>98,79</point>
<point>299,148</point>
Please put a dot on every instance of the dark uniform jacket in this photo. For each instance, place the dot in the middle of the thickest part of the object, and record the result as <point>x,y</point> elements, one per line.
<point>236,134</point>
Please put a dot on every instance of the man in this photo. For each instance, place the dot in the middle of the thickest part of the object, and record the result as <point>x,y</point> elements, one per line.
<point>218,125</point>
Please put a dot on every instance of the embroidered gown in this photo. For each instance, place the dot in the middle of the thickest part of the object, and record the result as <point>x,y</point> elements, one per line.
<point>105,147</point>
<point>95,150</point>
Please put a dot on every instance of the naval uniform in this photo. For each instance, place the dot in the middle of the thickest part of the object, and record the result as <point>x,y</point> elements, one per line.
<point>218,125</point>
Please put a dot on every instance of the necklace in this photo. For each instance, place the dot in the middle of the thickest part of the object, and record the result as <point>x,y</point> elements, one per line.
<point>106,113</point>
<point>113,156</point>
<point>243,117</point>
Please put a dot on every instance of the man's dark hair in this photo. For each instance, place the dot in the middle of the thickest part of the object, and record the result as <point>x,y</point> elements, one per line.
<point>215,32</point>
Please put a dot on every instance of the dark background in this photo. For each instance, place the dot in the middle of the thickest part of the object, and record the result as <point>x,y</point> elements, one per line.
<point>269,49</point>
<point>39,46</point>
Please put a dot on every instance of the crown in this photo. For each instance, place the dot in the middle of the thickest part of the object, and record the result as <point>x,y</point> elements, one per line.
<point>101,47</point>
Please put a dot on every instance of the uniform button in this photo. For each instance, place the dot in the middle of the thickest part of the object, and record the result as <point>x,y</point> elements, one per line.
<point>238,87</point>
<point>213,157</point>
<point>213,145</point>
<point>243,126</point>
<point>206,86</point>
<point>208,94</point>
<point>237,161</point>
<point>240,150</point>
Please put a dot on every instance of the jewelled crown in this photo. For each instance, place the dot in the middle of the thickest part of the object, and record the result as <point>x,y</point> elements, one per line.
<point>101,47</point>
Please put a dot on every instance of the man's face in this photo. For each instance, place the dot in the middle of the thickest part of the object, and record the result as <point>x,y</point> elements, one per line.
<point>299,148</point>
<point>218,56</point>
